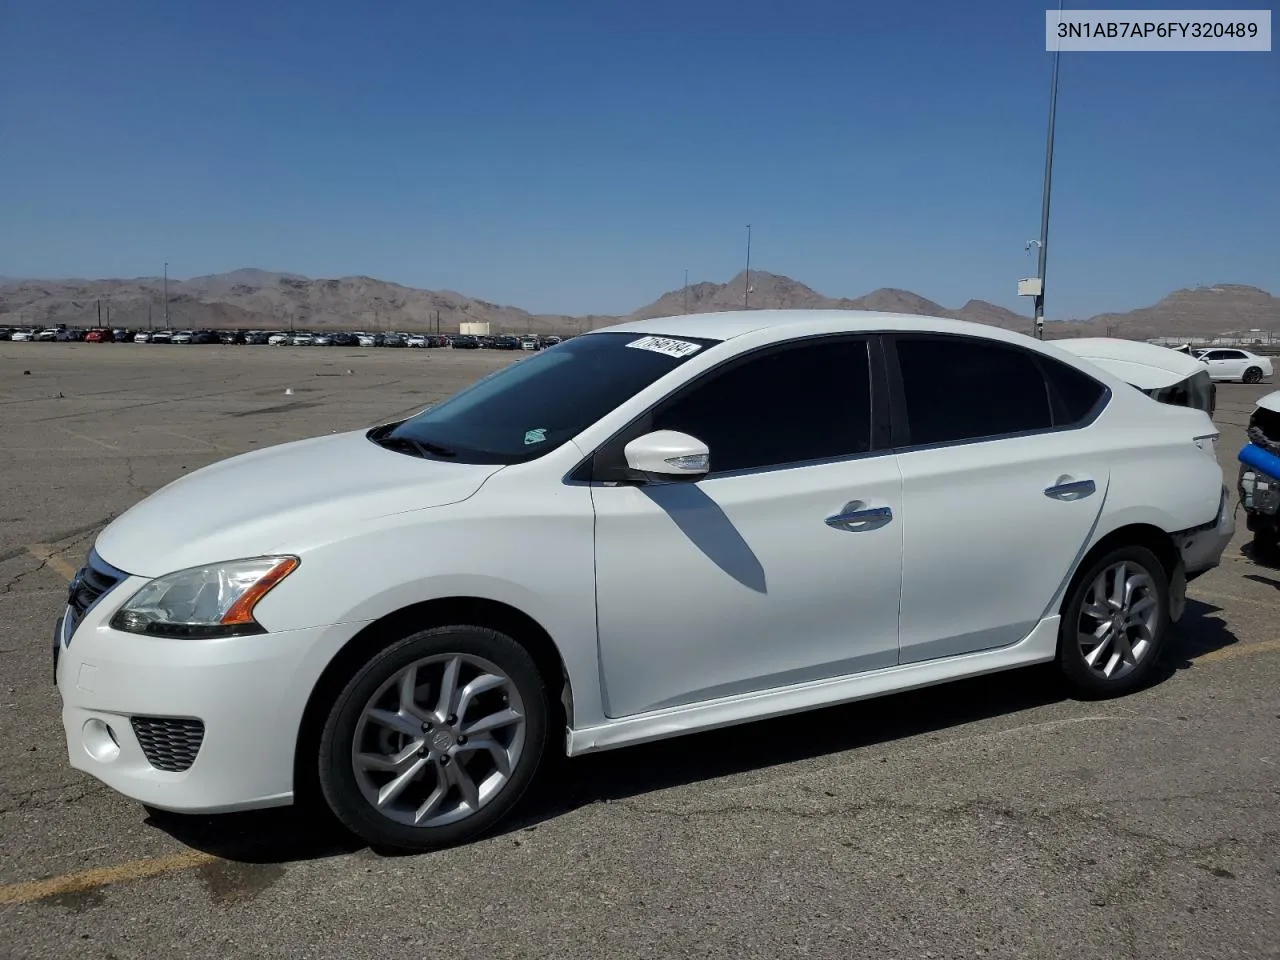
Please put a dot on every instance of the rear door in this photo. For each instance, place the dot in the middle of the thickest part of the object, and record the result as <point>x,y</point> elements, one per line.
<point>1002,484</point>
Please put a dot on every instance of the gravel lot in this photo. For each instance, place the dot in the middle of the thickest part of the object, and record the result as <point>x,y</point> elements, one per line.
<point>989,818</point>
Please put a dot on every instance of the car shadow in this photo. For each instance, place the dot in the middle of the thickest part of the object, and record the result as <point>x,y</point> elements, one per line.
<point>307,833</point>
<point>1200,631</point>
<point>1265,581</point>
<point>1253,555</point>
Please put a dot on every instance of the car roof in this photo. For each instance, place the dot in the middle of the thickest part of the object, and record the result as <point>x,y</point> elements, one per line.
<point>1145,365</point>
<point>736,323</point>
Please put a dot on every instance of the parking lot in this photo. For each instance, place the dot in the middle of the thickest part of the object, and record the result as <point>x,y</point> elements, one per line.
<point>987,818</point>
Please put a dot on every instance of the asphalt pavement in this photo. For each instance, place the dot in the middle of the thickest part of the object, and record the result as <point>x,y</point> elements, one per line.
<point>986,818</point>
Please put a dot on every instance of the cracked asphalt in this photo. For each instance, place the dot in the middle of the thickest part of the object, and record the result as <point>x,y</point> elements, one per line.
<point>987,818</point>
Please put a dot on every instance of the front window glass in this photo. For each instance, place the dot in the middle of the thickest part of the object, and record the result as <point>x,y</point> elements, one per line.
<point>529,408</point>
<point>793,405</point>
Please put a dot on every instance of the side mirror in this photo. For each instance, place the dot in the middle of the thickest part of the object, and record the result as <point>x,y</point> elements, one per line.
<point>667,455</point>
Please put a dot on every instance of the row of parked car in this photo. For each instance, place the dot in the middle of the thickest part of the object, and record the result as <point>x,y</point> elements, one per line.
<point>277,338</point>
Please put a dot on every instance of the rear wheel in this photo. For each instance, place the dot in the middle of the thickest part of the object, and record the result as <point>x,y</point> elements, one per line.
<point>1253,375</point>
<point>435,739</point>
<point>1266,544</point>
<point>1115,623</point>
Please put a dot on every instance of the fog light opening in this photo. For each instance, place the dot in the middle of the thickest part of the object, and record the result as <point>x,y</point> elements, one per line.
<point>100,741</point>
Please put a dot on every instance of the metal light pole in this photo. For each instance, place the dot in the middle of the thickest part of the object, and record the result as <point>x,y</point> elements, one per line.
<point>1044,203</point>
<point>166,294</point>
<point>746,287</point>
<point>686,291</point>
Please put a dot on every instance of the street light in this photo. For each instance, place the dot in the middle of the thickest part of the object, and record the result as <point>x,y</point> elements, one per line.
<point>1044,202</point>
<point>166,294</point>
<point>746,286</point>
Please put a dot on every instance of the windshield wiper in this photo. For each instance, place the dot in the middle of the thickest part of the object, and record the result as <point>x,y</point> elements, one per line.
<point>422,448</point>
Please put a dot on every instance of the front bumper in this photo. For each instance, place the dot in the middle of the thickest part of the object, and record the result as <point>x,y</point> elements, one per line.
<point>248,692</point>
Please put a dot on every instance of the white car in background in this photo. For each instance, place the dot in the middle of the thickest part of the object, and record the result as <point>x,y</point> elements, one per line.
<point>1233,364</point>
<point>279,339</point>
<point>25,335</point>
<point>415,340</point>
<point>648,530</point>
<point>182,336</point>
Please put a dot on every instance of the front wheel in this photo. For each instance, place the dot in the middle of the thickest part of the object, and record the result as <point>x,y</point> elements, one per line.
<point>435,739</point>
<point>1253,375</point>
<point>1114,624</point>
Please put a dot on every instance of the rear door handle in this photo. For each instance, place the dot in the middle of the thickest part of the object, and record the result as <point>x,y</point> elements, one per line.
<point>857,514</point>
<point>1071,489</point>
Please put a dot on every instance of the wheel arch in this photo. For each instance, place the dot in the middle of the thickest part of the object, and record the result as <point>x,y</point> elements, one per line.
<point>380,633</point>
<point>1158,541</point>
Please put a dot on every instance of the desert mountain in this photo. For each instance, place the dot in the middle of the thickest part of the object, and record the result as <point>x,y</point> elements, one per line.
<point>251,298</point>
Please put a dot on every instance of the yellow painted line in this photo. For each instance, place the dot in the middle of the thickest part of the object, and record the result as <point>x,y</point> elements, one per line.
<point>49,557</point>
<point>1239,650</point>
<point>102,876</point>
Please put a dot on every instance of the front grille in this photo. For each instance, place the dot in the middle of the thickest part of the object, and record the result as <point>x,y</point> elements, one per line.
<point>169,743</point>
<point>92,582</point>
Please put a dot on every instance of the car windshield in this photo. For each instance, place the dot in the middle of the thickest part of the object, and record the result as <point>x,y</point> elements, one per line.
<point>529,408</point>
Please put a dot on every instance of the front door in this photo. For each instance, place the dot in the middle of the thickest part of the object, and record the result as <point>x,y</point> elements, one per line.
<point>1225,364</point>
<point>781,566</point>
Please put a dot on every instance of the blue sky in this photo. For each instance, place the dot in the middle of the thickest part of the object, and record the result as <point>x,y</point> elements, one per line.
<point>580,156</point>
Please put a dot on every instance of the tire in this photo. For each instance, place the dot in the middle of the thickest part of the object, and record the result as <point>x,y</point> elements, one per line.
<point>1266,545</point>
<point>1252,375</point>
<point>1144,642</point>
<point>426,748</point>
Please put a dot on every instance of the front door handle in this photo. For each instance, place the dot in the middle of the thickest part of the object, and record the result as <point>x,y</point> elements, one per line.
<point>857,514</point>
<point>1071,489</point>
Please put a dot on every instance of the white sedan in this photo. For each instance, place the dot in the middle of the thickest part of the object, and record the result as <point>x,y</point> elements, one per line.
<point>1235,364</point>
<point>645,531</point>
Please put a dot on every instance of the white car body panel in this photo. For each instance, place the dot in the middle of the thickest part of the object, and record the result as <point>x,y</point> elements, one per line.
<point>1270,401</point>
<point>1145,365</point>
<point>1040,646</point>
<point>951,497</point>
<point>602,569</point>
<point>161,534</point>
<point>740,599</point>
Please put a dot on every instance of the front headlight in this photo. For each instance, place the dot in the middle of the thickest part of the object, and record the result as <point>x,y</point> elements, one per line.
<point>212,601</point>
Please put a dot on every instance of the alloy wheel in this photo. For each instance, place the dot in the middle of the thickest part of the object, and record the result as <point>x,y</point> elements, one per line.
<point>1118,620</point>
<point>438,740</point>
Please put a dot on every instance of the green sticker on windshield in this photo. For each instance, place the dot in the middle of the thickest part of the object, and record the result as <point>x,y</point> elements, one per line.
<point>536,436</point>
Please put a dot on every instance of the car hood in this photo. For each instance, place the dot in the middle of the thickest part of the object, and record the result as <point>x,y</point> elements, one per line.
<point>266,501</point>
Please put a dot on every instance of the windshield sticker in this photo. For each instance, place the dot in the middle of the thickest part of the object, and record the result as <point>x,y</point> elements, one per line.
<point>666,346</point>
<point>535,436</point>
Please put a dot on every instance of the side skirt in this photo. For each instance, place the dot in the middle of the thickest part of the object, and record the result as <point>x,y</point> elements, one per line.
<point>1039,646</point>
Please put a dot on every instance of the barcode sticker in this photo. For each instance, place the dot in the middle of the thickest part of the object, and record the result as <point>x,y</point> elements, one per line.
<point>666,346</point>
